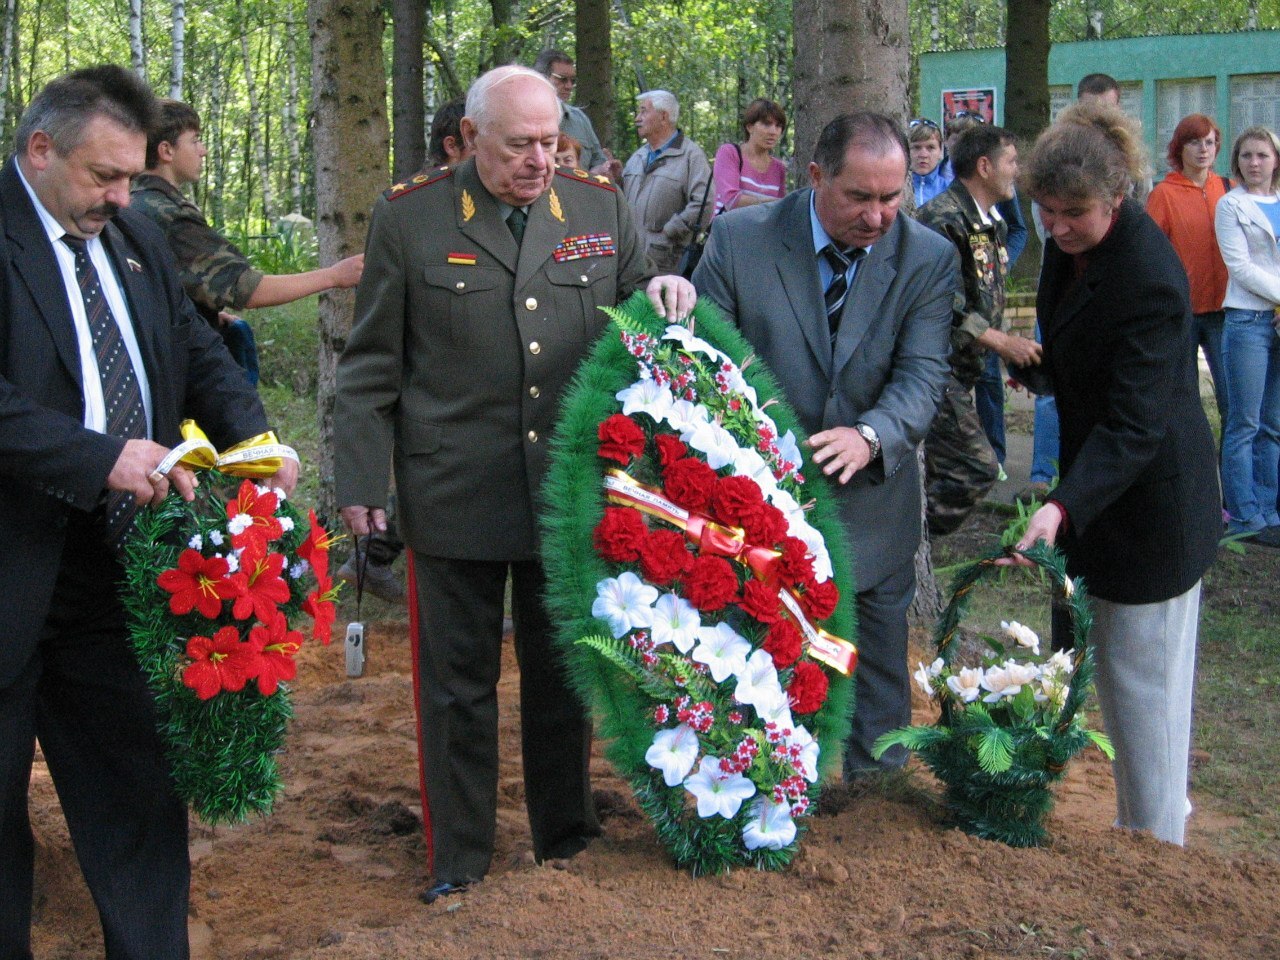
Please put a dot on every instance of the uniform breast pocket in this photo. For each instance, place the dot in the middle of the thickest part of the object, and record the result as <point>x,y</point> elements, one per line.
<point>463,300</point>
<point>578,289</point>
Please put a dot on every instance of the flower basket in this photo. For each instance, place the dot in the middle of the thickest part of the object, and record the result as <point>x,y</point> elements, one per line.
<point>1008,726</point>
<point>692,568</point>
<point>212,590</point>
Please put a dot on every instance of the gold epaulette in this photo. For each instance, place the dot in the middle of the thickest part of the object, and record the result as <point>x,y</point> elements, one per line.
<point>418,181</point>
<point>582,176</point>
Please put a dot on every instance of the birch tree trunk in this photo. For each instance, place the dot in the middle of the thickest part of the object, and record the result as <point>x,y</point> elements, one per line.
<point>8,56</point>
<point>291,133</point>
<point>137,51</point>
<point>255,117</point>
<point>179,36</point>
<point>850,55</point>
<point>351,144</point>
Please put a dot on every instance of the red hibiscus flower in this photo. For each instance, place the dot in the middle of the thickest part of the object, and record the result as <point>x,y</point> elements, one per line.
<point>761,601</point>
<point>819,599</point>
<point>689,483</point>
<point>767,526</point>
<point>664,557</point>
<point>276,645</point>
<point>711,583</point>
<point>315,548</point>
<point>260,586</point>
<point>784,643</point>
<point>252,517</point>
<point>320,606</point>
<point>795,566</point>
<point>808,689</point>
<point>670,448</point>
<point>619,534</point>
<point>620,439</point>
<point>198,584</point>
<point>736,499</point>
<point>221,662</point>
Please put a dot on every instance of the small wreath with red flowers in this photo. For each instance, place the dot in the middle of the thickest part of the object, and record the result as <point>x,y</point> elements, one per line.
<point>213,592</point>
<point>694,570</point>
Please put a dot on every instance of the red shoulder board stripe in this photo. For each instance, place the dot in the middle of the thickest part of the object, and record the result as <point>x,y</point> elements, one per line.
<point>581,176</point>
<point>417,182</point>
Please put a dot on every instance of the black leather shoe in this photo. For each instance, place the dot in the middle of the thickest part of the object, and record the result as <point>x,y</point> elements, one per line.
<point>1267,537</point>
<point>442,889</point>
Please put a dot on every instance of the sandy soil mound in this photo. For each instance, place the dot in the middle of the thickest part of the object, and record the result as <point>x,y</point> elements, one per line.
<point>335,872</point>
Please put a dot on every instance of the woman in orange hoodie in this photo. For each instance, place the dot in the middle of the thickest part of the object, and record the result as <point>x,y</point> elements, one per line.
<point>1182,205</point>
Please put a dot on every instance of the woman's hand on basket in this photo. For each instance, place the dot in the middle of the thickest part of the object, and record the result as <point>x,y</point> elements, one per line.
<point>1043,525</point>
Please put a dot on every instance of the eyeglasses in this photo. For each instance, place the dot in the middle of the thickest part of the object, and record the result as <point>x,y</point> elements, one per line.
<point>923,122</point>
<point>567,81</point>
<point>970,114</point>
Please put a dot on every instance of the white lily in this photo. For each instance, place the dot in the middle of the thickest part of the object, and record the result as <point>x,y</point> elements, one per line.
<point>770,826</point>
<point>716,792</point>
<point>713,441</point>
<point>674,752</point>
<point>722,650</point>
<point>758,683</point>
<point>808,763</point>
<point>675,621</point>
<point>646,396</point>
<point>626,602</point>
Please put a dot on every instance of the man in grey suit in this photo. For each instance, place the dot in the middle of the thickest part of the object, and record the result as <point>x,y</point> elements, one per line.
<point>850,305</point>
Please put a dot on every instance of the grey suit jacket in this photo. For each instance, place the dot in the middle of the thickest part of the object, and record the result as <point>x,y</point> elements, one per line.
<point>889,360</point>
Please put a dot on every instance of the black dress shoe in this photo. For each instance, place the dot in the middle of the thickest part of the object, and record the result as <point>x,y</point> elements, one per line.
<point>442,889</point>
<point>1267,537</point>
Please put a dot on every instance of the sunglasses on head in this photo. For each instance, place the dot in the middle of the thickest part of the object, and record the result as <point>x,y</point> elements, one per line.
<point>923,122</point>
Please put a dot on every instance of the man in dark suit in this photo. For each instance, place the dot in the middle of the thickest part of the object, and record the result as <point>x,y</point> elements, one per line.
<point>465,335</point>
<point>101,357</point>
<point>850,305</point>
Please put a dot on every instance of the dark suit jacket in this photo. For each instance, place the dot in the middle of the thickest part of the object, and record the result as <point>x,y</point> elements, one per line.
<point>50,463</point>
<point>1137,460</point>
<point>462,344</point>
<point>889,362</point>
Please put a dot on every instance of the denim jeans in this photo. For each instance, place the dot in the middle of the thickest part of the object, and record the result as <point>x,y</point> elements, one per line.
<point>1251,439</point>
<point>1208,330</point>
<point>238,336</point>
<point>988,397</point>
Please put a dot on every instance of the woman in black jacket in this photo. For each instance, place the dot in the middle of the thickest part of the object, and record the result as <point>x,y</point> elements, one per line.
<point>1137,509</point>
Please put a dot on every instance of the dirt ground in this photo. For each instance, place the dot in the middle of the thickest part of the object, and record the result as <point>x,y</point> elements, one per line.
<point>335,871</point>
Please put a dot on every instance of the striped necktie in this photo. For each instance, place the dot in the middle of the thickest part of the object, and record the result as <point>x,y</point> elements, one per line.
<point>838,289</point>
<point>121,394</point>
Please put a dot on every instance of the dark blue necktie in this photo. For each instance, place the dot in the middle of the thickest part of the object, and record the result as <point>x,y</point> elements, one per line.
<point>121,394</point>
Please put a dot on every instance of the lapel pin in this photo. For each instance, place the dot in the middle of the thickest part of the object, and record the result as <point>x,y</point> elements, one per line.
<point>134,265</point>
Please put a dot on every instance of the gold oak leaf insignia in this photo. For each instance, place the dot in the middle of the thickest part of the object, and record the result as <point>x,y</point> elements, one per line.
<point>468,207</point>
<point>556,210</point>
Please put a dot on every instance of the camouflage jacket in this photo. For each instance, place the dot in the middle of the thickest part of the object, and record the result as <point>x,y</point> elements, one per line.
<point>213,271</point>
<point>983,266</point>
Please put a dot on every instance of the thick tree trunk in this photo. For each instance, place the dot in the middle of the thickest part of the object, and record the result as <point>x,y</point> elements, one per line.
<point>255,117</point>
<point>593,24</point>
<point>292,135</point>
<point>178,35</point>
<point>850,55</point>
<point>351,145</point>
<point>1026,98</point>
<point>137,49</point>
<point>502,47</point>
<point>408,112</point>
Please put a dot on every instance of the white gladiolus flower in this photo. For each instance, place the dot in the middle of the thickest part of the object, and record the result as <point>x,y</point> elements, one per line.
<point>713,441</point>
<point>675,621</point>
<point>770,826</point>
<point>674,753</point>
<point>692,344</point>
<point>626,602</point>
<point>716,792</point>
<point>967,684</point>
<point>722,650</point>
<point>685,415</point>
<point>758,683</point>
<point>1024,636</point>
<point>646,396</point>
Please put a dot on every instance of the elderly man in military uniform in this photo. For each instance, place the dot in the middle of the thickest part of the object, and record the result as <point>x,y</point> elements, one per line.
<point>960,466</point>
<point>215,274</point>
<point>478,301</point>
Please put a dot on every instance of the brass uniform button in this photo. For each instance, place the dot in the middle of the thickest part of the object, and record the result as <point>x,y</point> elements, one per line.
<point>531,304</point>
<point>535,392</point>
<point>533,436</point>
<point>460,285</point>
<point>535,347</point>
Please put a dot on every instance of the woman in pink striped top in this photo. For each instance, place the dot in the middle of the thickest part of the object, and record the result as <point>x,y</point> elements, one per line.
<point>749,173</point>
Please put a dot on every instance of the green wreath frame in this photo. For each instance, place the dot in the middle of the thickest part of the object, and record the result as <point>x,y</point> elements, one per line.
<point>574,506</point>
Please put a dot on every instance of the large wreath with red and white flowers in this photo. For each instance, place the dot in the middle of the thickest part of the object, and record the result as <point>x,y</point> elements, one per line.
<point>694,570</point>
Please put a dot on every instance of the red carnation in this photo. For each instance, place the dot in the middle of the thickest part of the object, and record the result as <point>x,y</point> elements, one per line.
<point>619,534</point>
<point>784,643</point>
<point>767,526</point>
<point>819,599</point>
<point>620,439</point>
<point>670,448</point>
<point>736,499</point>
<point>761,601</point>
<point>795,566</point>
<point>711,583</point>
<point>664,557</point>
<point>689,482</point>
<point>808,690</point>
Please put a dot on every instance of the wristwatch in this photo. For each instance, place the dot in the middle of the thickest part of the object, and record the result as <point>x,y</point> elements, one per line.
<point>869,434</point>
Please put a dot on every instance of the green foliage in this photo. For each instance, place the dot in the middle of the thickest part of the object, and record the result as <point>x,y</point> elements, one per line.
<point>286,250</point>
